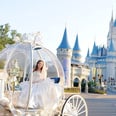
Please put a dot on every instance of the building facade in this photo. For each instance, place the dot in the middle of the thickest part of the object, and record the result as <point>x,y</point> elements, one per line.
<point>102,60</point>
<point>75,71</point>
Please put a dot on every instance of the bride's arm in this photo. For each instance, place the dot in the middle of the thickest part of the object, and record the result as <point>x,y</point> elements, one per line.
<point>44,72</point>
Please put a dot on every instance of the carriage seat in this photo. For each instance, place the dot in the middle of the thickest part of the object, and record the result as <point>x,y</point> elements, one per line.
<point>55,79</point>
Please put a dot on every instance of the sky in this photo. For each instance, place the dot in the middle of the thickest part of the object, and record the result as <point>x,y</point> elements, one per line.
<point>87,18</point>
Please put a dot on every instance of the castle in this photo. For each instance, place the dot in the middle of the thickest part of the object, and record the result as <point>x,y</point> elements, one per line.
<point>102,60</point>
<point>75,71</point>
<point>99,65</point>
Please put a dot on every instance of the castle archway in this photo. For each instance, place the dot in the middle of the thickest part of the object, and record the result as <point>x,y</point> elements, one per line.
<point>76,82</point>
<point>84,85</point>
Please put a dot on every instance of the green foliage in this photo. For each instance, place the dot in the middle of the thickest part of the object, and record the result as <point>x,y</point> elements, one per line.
<point>1,46</point>
<point>7,35</point>
<point>92,88</point>
<point>1,64</point>
<point>95,90</point>
<point>91,84</point>
<point>14,34</point>
<point>4,41</point>
<point>4,29</point>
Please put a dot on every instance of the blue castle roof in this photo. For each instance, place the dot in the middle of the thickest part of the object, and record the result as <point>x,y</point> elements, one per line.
<point>111,17</point>
<point>87,53</point>
<point>64,43</point>
<point>76,46</point>
<point>95,49</point>
<point>111,47</point>
<point>115,23</point>
<point>76,51</point>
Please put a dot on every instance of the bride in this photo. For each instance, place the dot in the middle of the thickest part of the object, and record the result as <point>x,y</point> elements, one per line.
<point>44,92</point>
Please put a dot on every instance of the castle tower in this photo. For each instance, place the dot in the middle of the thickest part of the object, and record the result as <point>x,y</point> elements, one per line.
<point>102,60</point>
<point>112,32</point>
<point>76,56</point>
<point>111,62</point>
<point>91,60</point>
<point>111,52</point>
<point>95,50</point>
<point>87,56</point>
<point>64,53</point>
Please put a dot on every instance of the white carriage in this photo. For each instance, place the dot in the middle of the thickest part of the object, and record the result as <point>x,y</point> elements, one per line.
<point>17,63</point>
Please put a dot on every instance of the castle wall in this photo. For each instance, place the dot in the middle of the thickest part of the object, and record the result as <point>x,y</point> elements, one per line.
<point>64,56</point>
<point>110,70</point>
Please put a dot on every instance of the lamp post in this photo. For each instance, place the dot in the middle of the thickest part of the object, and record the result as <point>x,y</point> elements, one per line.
<point>94,72</point>
<point>99,79</point>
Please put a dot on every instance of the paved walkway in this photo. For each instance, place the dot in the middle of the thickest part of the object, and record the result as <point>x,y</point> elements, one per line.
<point>90,95</point>
<point>97,95</point>
<point>100,105</point>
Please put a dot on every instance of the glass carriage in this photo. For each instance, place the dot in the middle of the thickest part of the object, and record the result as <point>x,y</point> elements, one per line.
<point>16,66</point>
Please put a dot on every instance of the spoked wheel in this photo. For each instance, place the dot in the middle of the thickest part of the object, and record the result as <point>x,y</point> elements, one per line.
<point>75,105</point>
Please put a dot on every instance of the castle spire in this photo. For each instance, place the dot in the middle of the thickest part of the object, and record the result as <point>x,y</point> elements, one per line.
<point>95,49</point>
<point>87,53</point>
<point>111,48</point>
<point>112,16</point>
<point>76,56</point>
<point>114,23</point>
<point>64,54</point>
<point>76,46</point>
<point>111,21</point>
<point>64,43</point>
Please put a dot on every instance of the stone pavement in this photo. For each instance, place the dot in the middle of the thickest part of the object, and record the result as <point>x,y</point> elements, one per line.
<point>100,105</point>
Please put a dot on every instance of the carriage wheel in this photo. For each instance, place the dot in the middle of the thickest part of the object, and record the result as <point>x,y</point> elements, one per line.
<point>75,105</point>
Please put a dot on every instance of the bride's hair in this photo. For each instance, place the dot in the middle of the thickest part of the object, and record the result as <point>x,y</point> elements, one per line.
<point>36,67</point>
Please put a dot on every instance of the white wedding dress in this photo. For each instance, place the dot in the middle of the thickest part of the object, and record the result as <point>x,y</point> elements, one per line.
<point>45,93</point>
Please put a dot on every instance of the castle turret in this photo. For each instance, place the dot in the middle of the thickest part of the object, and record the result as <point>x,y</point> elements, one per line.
<point>112,32</point>
<point>114,23</point>
<point>76,56</point>
<point>111,61</point>
<point>88,53</point>
<point>111,21</point>
<point>111,47</point>
<point>64,53</point>
<point>95,50</point>
<point>87,56</point>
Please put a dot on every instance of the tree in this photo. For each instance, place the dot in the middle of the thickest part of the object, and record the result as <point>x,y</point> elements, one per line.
<point>13,33</point>
<point>7,35</point>
<point>4,29</point>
